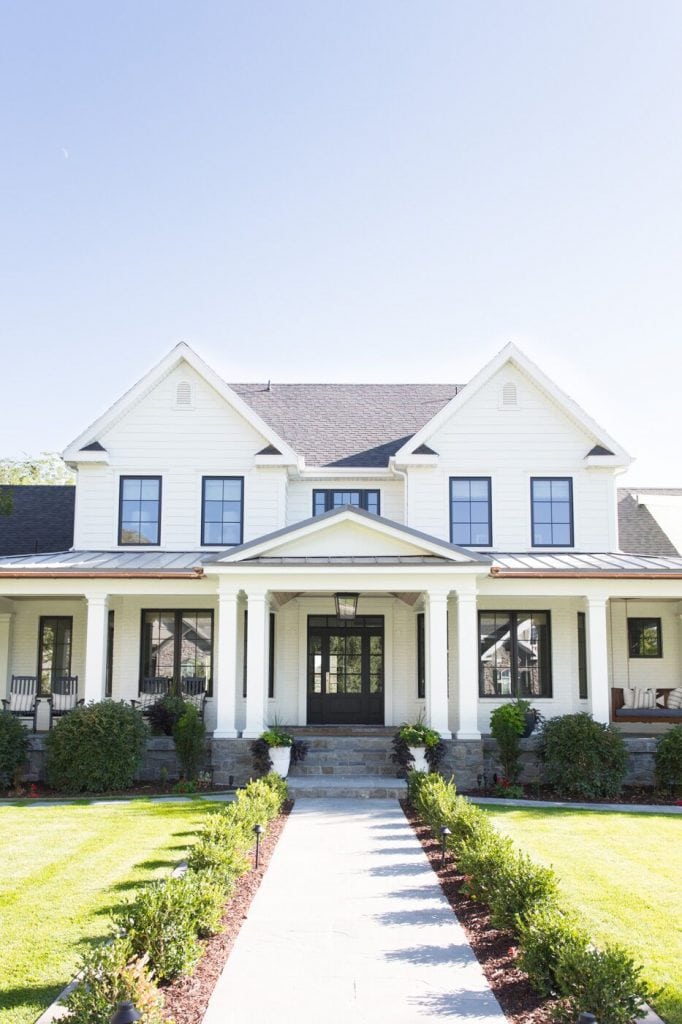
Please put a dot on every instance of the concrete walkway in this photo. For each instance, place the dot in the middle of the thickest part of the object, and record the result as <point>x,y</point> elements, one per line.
<point>350,925</point>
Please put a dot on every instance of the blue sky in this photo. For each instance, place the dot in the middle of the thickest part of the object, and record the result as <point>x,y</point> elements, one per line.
<point>345,191</point>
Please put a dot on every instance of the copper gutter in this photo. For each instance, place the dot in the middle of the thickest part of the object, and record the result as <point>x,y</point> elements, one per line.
<point>111,574</point>
<point>530,574</point>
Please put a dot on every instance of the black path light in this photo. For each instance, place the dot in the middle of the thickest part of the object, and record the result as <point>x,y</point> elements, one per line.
<point>258,829</point>
<point>587,1018</point>
<point>444,833</point>
<point>126,1013</point>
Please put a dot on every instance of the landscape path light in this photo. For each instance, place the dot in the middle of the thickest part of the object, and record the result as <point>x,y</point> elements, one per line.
<point>258,829</point>
<point>444,833</point>
<point>126,1013</point>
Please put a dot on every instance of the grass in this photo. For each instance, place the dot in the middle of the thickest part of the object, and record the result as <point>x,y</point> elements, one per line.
<point>623,871</point>
<point>65,868</point>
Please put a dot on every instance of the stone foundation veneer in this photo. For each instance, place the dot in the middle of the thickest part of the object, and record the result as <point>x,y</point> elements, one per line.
<point>641,764</point>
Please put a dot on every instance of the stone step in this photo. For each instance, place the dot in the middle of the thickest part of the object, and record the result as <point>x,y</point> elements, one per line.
<point>351,768</point>
<point>354,787</point>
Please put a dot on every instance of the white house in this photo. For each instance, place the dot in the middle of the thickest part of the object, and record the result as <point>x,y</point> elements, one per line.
<point>217,526</point>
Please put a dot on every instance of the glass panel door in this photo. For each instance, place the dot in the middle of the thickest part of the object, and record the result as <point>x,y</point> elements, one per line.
<point>345,671</point>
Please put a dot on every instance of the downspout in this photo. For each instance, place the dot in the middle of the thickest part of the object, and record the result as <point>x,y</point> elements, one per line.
<point>402,475</point>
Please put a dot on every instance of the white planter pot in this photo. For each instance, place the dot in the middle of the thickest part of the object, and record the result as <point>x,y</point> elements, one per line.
<point>420,762</point>
<point>280,757</point>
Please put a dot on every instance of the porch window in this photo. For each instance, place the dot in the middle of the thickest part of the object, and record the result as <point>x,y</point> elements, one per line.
<point>582,657</point>
<point>470,511</point>
<point>139,515</point>
<point>177,645</point>
<point>551,500</point>
<point>421,657</point>
<point>54,650</point>
<point>222,510</point>
<point>325,501</point>
<point>644,638</point>
<point>514,654</point>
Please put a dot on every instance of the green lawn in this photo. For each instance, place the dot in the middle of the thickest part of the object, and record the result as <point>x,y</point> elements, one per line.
<point>63,870</point>
<point>624,873</point>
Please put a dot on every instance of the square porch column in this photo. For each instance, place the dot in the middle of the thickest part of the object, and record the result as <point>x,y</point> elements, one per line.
<point>256,664</point>
<point>597,658</point>
<point>437,674</point>
<point>467,666</point>
<point>225,679</point>
<point>5,624</point>
<point>96,647</point>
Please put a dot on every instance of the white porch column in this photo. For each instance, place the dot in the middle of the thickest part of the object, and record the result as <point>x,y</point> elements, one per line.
<point>5,623</point>
<point>437,675</point>
<point>467,666</point>
<point>597,658</point>
<point>95,647</point>
<point>225,679</point>
<point>256,664</point>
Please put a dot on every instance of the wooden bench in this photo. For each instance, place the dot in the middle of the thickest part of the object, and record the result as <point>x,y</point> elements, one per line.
<point>619,713</point>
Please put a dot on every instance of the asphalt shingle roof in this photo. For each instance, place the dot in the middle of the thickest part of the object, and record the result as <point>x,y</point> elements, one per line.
<point>41,519</point>
<point>346,424</point>
<point>638,530</point>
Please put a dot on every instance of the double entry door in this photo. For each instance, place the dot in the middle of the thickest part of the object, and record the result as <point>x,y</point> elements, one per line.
<point>345,670</point>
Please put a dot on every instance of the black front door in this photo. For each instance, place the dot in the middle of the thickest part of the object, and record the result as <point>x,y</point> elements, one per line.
<point>345,670</point>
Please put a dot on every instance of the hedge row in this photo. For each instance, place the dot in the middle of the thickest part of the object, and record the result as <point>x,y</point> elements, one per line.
<point>523,897</point>
<point>157,936</point>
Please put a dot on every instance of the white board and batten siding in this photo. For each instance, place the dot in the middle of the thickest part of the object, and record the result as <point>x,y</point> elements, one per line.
<point>511,444</point>
<point>159,437</point>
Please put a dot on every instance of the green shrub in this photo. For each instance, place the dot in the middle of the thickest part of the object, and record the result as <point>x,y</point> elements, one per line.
<point>13,748</point>
<point>520,886</point>
<point>165,713</point>
<point>205,897</point>
<point>546,934</point>
<point>112,973</point>
<point>669,759</point>
<point>189,737</point>
<point>96,748</point>
<point>437,803</point>
<point>605,982</point>
<point>581,757</point>
<point>483,860</point>
<point>162,922</point>
<point>507,724</point>
<point>222,847</point>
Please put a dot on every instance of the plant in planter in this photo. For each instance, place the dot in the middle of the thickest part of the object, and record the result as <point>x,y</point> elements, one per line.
<point>277,750</point>
<point>417,747</point>
<point>509,724</point>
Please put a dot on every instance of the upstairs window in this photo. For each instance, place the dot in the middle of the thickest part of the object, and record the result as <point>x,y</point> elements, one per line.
<point>222,510</point>
<point>139,520</point>
<point>325,501</point>
<point>552,511</point>
<point>470,518</point>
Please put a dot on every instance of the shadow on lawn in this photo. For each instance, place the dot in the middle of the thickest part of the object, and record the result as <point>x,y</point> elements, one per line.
<point>37,997</point>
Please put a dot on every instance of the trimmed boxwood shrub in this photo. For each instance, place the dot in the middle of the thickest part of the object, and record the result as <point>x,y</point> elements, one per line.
<point>582,758</point>
<point>97,748</point>
<point>112,973</point>
<point>606,982</point>
<point>13,748</point>
<point>546,935</point>
<point>161,922</point>
<point>669,759</point>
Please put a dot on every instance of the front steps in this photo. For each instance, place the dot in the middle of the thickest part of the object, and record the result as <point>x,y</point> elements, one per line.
<point>349,787</point>
<point>336,753</point>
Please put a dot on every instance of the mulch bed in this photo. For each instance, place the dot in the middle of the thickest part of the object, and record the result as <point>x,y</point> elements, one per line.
<point>186,999</point>
<point>495,950</point>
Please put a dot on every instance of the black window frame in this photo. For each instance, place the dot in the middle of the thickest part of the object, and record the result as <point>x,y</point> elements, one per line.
<point>329,493</point>
<point>138,544</point>
<point>421,656</point>
<point>582,656</point>
<point>43,691</point>
<point>178,613</point>
<point>213,544</point>
<point>642,622</point>
<point>473,479</point>
<point>513,616</point>
<point>551,480</point>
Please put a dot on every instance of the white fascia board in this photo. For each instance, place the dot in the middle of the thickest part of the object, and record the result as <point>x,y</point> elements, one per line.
<point>415,460</point>
<point>604,462</point>
<point>346,473</point>
<point>181,352</point>
<point>80,457</point>
<point>511,354</point>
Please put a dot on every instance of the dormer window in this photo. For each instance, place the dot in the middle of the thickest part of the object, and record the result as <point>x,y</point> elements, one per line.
<point>183,395</point>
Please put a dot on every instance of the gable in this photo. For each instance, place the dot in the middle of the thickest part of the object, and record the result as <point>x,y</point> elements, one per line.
<point>346,539</point>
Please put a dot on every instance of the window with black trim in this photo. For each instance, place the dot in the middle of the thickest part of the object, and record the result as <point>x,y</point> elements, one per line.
<point>645,639</point>
<point>325,501</point>
<point>54,650</point>
<point>515,658</point>
<point>222,510</point>
<point>551,500</point>
<point>139,510</point>
<point>470,511</point>
<point>582,657</point>
<point>177,645</point>
<point>421,657</point>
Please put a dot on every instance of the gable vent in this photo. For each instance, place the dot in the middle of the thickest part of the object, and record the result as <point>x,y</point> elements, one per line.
<point>510,398</point>
<point>183,395</point>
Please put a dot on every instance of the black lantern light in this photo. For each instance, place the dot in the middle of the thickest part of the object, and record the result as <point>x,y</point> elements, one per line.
<point>346,605</point>
<point>126,1013</point>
